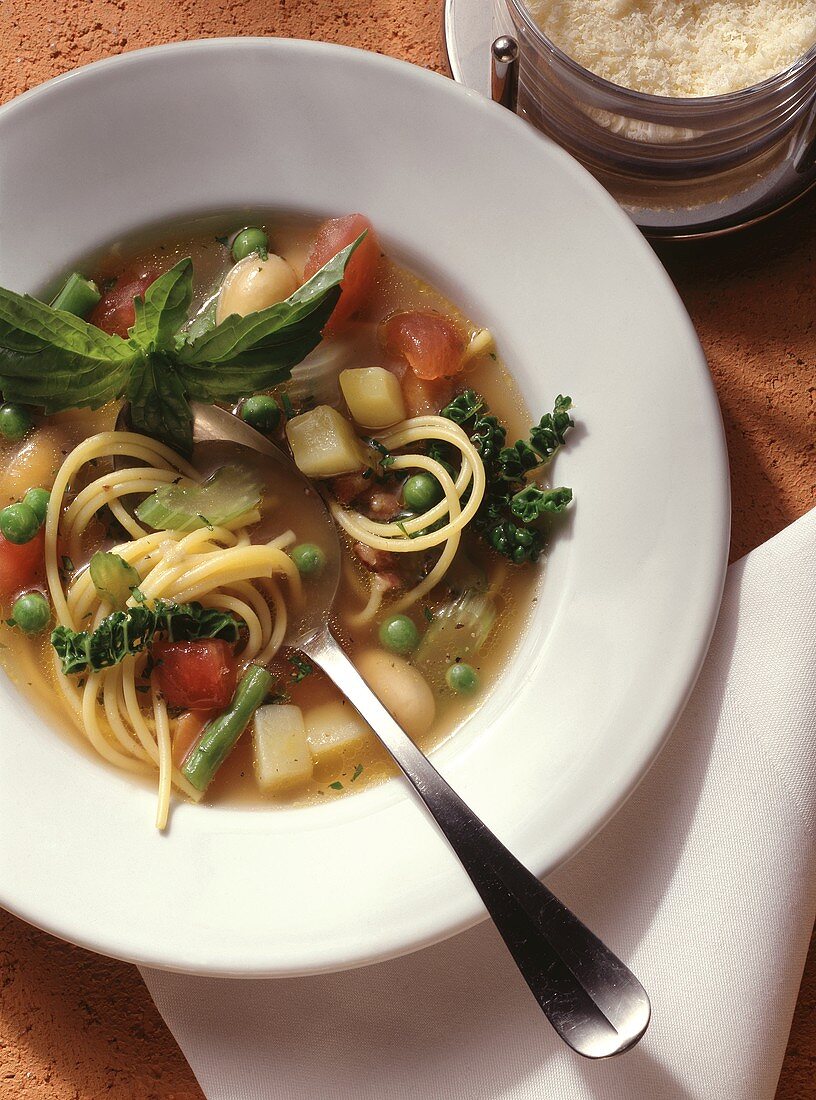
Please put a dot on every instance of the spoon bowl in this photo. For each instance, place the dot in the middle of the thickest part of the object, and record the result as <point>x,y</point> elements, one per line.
<point>213,425</point>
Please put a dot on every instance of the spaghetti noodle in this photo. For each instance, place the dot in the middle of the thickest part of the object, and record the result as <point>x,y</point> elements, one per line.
<point>415,534</point>
<point>217,566</point>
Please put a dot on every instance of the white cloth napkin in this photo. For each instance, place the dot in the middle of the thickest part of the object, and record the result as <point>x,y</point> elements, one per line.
<point>704,883</point>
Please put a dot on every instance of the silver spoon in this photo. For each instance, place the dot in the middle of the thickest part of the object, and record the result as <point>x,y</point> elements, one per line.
<point>592,1000</point>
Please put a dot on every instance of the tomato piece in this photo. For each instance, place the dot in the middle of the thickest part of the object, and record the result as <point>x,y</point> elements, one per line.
<point>358,280</point>
<point>114,312</point>
<point>196,675</point>
<point>21,564</point>
<point>431,344</point>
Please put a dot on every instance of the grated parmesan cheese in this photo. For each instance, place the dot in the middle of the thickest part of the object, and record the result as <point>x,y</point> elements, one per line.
<point>677,47</point>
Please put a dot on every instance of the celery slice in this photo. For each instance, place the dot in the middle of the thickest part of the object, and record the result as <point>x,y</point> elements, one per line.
<point>228,494</point>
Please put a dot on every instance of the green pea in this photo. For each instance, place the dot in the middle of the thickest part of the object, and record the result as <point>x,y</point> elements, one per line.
<point>31,612</point>
<point>399,634</point>
<point>462,678</point>
<point>421,491</point>
<point>250,240</point>
<point>15,421</point>
<point>309,559</point>
<point>19,523</point>
<point>261,413</point>
<point>37,500</point>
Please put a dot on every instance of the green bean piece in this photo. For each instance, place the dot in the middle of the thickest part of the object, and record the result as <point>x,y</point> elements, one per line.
<point>250,240</point>
<point>219,736</point>
<point>37,500</point>
<point>15,421</point>
<point>78,296</point>
<point>31,612</point>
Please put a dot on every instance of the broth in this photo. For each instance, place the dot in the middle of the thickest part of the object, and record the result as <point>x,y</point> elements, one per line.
<point>34,461</point>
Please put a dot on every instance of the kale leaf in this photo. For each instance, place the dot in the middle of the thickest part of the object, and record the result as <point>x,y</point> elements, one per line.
<point>126,633</point>
<point>511,507</point>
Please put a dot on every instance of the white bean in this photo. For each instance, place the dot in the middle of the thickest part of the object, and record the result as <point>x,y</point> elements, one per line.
<point>400,687</point>
<point>255,284</point>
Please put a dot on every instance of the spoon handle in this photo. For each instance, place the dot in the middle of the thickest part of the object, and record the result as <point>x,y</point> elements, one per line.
<point>590,997</point>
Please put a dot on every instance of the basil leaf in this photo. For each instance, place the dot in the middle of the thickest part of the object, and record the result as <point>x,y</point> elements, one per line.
<point>158,402</point>
<point>56,380</point>
<point>65,362</point>
<point>30,326</point>
<point>57,361</point>
<point>288,330</point>
<point>229,382</point>
<point>164,307</point>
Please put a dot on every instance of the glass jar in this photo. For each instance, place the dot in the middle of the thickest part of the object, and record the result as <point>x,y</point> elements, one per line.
<point>680,167</point>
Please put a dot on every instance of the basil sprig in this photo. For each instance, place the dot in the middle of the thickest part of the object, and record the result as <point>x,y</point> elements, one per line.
<point>57,361</point>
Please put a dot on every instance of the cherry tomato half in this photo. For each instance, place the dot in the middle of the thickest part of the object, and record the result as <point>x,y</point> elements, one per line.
<point>332,236</point>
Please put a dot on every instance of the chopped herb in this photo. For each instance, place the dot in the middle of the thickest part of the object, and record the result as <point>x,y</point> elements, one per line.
<point>302,668</point>
<point>67,565</point>
<point>358,771</point>
<point>206,523</point>
<point>428,613</point>
<point>223,240</point>
<point>288,407</point>
<point>336,786</point>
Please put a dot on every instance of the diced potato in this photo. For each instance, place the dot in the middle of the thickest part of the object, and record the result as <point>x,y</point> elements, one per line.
<point>403,690</point>
<point>282,754</point>
<point>324,443</point>
<point>333,727</point>
<point>373,396</point>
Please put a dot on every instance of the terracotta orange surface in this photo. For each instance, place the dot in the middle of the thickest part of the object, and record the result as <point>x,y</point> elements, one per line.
<point>74,1026</point>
